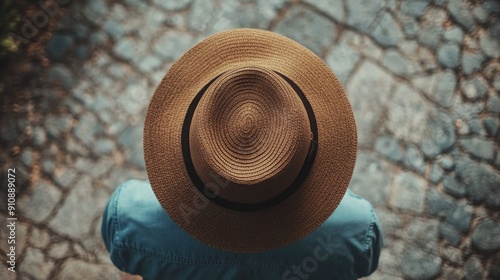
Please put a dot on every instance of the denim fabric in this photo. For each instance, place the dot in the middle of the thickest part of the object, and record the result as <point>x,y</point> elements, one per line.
<point>142,239</point>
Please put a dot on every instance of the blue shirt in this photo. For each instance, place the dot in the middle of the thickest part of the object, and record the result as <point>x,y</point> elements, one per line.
<point>142,239</point>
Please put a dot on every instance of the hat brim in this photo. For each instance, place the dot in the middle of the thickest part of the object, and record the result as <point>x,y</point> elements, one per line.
<point>304,210</point>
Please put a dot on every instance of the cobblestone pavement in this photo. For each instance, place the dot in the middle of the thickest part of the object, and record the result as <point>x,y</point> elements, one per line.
<point>423,78</point>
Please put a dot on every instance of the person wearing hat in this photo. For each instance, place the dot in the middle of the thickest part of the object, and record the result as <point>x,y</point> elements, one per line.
<point>249,144</point>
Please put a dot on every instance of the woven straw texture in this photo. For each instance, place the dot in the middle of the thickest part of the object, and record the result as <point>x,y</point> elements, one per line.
<point>250,128</point>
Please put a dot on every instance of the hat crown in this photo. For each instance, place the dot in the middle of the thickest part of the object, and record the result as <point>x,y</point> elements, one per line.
<point>251,128</point>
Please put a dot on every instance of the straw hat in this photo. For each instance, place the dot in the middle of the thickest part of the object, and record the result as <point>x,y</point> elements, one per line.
<point>249,141</point>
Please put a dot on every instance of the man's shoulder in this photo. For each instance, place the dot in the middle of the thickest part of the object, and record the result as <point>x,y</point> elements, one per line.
<point>351,222</point>
<point>352,210</point>
<point>137,197</point>
<point>356,205</point>
<point>137,191</point>
<point>145,231</point>
<point>136,201</point>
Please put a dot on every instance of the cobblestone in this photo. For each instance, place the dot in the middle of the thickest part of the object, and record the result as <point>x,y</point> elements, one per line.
<point>411,120</point>
<point>39,202</point>
<point>461,217</point>
<point>450,234</point>
<point>56,125</point>
<point>364,44</point>
<point>171,48</point>
<point>60,75</point>
<point>408,115</point>
<point>476,127</point>
<point>473,269</point>
<point>80,30</point>
<point>362,14</point>
<point>421,260</point>
<point>439,87</point>
<point>436,174</point>
<point>127,49</point>
<point>88,129</point>
<point>95,10</point>
<point>449,55</point>
<point>409,192</point>
<point>480,180</point>
<point>480,13</point>
<point>410,26</point>
<point>68,220</point>
<point>426,59</point>
<point>59,250</point>
<point>58,45</point>
<point>48,166</point>
<point>308,28</point>
<point>65,176</point>
<point>475,88</point>
<point>387,32</point>
<point>334,8</point>
<point>442,135</point>
<point>342,59</point>
<point>389,264</point>
<point>39,136</point>
<point>491,125</point>
<point>8,130</point>
<point>372,172</point>
<point>451,272</point>
<point>471,62</point>
<point>398,64</point>
<point>494,267</point>
<point>453,187</point>
<point>367,107</point>
<point>201,15</point>
<point>414,8</point>
<point>478,147</point>
<point>446,162</point>
<point>36,265</point>
<point>466,110</point>
<point>417,264</point>
<point>462,14</point>
<point>494,104</point>
<point>105,146</point>
<point>27,157</point>
<point>389,147</point>
<point>98,38</point>
<point>7,275</point>
<point>489,42</point>
<point>463,128</point>
<point>414,159</point>
<point>439,204</point>
<point>74,268</point>
<point>173,5</point>
<point>496,83</point>
<point>486,237</point>
<point>491,6</point>
<point>39,238</point>
<point>390,222</point>
<point>114,29</point>
<point>81,52</point>
<point>148,63</point>
<point>453,255</point>
<point>425,234</point>
<point>431,28</point>
<point>454,34</point>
